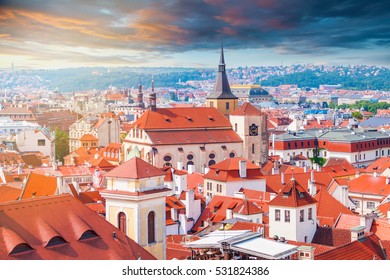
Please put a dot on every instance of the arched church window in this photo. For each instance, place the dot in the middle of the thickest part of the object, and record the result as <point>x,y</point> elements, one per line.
<point>151,228</point>
<point>122,222</point>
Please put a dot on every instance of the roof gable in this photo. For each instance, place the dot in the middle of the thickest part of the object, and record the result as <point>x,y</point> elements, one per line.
<point>135,168</point>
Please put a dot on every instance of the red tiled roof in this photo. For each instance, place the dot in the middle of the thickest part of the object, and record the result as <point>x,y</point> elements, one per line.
<point>39,185</point>
<point>382,209</point>
<point>347,221</point>
<point>182,118</point>
<point>336,161</point>
<point>8,193</point>
<point>380,165</point>
<point>247,208</point>
<point>246,109</point>
<point>381,228</point>
<point>194,180</point>
<point>332,236</point>
<point>369,184</point>
<point>329,207</point>
<point>176,249</point>
<point>215,211</point>
<point>341,170</point>
<point>367,249</point>
<point>63,221</point>
<point>292,195</point>
<point>88,137</point>
<point>273,182</point>
<point>228,170</point>
<point>240,225</point>
<point>135,168</point>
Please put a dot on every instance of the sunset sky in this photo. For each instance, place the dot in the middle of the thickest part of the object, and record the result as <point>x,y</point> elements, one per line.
<point>73,33</point>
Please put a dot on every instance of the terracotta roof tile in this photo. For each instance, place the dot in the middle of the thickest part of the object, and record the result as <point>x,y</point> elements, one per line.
<point>247,208</point>
<point>329,207</point>
<point>367,249</point>
<point>8,193</point>
<point>369,184</point>
<point>246,109</point>
<point>332,236</point>
<point>292,195</point>
<point>62,218</point>
<point>39,185</point>
<point>88,137</point>
<point>182,118</point>
<point>135,168</point>
<point>379,165</point>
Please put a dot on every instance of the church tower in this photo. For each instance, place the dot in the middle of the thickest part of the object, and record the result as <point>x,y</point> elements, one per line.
<point>152,98</point>
<point>135,204</point>
<point>139,102</point>
<point>251,125</point>
<point>222,97</point>
<point>293,213</point>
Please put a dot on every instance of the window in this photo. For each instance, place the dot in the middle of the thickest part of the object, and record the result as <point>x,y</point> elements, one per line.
<point>41,142</point>
<point>235,127</point>
<point>227,105</point>
<point>277,215</point>
<point>301,215</point>
<point>370,204</point>
<point>253,148</point>
<point>232,155</point>
<point>122,222</point>
<point>151,228</point>
<point>287,216</point>
<point>305,239</point>
<point>310,214</point>
<point>211,162</point>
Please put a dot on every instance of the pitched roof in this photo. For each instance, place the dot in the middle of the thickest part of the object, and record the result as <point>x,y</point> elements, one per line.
<point>368,184</point>
<point>228,170</point>
<point>347,221</point>
<point>8,193</point>
<point>182,118</point>
<point>381,228</point>
<point>367,249</point>
<point>329,207</point>
<point>88,137</point>
<point>246,109</point>
<point>332,236</point>
<point>273,182</point>
<point>221,87</point>
<point>247,208</point>
<point>39,185</point>
<point>292,195</point>
<point>135,168</point>
<point>380,165</point>
<point>61,228</point>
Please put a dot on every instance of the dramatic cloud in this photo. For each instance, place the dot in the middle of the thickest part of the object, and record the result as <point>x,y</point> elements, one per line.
<point>135,32</point>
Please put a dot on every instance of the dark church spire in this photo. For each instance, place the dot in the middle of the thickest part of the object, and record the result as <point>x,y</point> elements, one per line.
<point>221,88</point>
<point>152,98</point>
<point>140,96</point>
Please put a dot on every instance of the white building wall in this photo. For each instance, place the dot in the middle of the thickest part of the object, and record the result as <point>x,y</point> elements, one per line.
<point>34,141</point>
<point>293,230</point>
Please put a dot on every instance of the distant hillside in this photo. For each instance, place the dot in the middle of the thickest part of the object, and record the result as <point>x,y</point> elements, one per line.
<point>78,79</point>
<point>314,78</point>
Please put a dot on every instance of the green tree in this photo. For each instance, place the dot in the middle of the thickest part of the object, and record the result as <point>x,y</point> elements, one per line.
<point>357,115</point>
<point>61,144</point>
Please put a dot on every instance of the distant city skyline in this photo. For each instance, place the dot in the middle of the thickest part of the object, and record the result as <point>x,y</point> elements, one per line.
<point>151,33</point>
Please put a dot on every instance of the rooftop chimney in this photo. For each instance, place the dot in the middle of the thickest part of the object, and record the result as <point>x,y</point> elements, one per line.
<point>357,233</point>
<point>239,195</point>
<point>375,174</point>
<point>306,252</point>
<point>387,180</point>
<point>191,168</point>
<point>229,213</point>
<point>242,168</point>
<point>282,178</point>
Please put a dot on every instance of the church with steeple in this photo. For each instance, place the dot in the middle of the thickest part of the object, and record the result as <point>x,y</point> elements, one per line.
<point>222,97</point>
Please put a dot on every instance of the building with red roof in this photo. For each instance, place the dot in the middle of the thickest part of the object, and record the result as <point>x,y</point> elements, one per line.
<point>293,213</point>
<point>368,191</point>
<point>61,228</point>
<point>180,137</point>
<point>251,125</point>
<point>104,127</point>
<point>135,203</point>
<point>228,176</point>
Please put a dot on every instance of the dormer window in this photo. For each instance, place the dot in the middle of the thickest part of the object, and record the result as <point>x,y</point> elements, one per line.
<point>56,240</point>
<point>89,234</point>
<point>21,247</point>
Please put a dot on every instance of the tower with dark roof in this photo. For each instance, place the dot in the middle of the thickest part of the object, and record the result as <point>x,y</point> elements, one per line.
<point>152,98</point>
<point>222,97</point>
<point>140,97</point>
